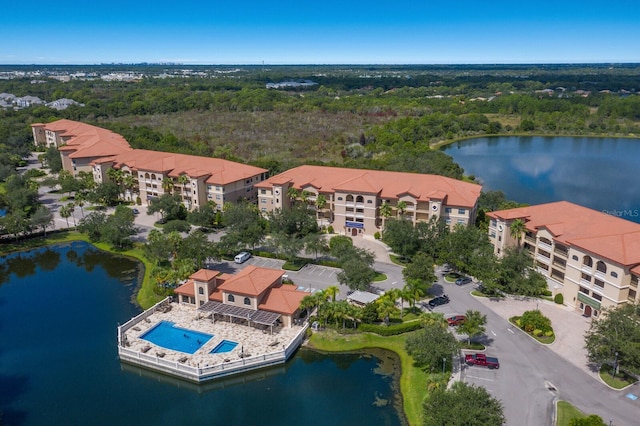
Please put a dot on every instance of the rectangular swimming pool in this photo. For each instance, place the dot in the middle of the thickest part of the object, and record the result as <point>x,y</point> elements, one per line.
<point>167,335</point>
<point>224,346</point>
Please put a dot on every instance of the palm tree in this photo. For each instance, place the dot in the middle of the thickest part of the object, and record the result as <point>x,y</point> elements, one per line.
<point>402,206</point>
<point>416,290</point>
<point>292,193</point>
<point>332,292</point>
<point>129,182</point>
<point>71,207</point>
<point>387,304</point>
<point>385,212</point>
<point>429,318</point>
<point>321,202</point>
<point>473,325</point>
<point>80,201</point>
<point>517,230</point>
<point>65,212</point>
<point>167,185</point>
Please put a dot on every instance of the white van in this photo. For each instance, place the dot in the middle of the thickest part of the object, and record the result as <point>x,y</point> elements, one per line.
<point>242,257</point>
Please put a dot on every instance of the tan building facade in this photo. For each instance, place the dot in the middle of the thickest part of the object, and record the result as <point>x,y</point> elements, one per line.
<point>590,257</point>
<point>149,174</point>
<point>357,202</point>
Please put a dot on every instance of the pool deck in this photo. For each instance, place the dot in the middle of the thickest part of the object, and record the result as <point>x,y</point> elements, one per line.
<point>251,341</point>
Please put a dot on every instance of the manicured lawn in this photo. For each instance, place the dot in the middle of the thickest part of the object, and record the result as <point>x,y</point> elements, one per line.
<point>545,340</point>
<point>621,380</point>
<point>566,412</point>
<point>413,381</point>
<point>379,277</point>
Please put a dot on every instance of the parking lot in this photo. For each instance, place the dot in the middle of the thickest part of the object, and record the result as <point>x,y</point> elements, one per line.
<point>310,278</point>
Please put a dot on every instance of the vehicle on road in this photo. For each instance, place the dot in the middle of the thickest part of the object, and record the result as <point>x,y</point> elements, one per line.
<point>242,257</point>
<point>463,280</point>
<point>439,300</point>
<point>482,360</point>
<point>135,211</point>
<point>456,320</point>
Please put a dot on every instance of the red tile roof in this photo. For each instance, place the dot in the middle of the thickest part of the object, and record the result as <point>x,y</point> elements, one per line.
<point>204,275</point>
<point>251,281</point>
<point>219,171</point>
<point>87,141</point>
<point>283,299</point>
<point>389,185</point>
<point>608,236</point>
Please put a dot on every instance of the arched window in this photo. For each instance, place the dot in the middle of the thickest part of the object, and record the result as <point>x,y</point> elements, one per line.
<point>359,199</point>
<point>349,198</point>
<point>587,261</point>
<point>574,257</point>
<point>614,274</point>
<point>230,298</point>
<point>601,267</point>
<point>200,290</point>
<point>153,176</point>
<point>146,175</point>
<point>247,301</point>
<point>545,240</point>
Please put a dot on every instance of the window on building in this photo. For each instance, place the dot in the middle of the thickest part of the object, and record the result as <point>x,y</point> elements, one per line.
<point>230,298</point>
<point>218,196</point>
<point>614,274</point>
<point>359,199</point>
<point>218,188</point>
<point>462,221</point>
<point>263,201</point>
<point>493,222</point>
<point>200,290</point>
<point>599,283</point>
<point>597,296</point>
<point>584,290</point>
<point>447,221</point>
<point>586,277</point>
<point>601,267</point>
<point>447,209</point>
<point>263,191</point>
<point>587,261</point>
<point>247,301</point>
<point>369,201</point>
<point>339,198</point>
<point>574,257</point>
<point>201,302</point>
<point>462,211</point>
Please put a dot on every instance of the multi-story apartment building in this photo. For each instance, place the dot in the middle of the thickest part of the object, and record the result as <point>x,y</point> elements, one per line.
<point>149,174</point>
<point>357,202</point>
<point>198,180</point>
<point>79,143</point>
<point>590,257</point>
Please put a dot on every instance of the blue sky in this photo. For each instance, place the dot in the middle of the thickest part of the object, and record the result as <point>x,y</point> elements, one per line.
<point>326,32</point>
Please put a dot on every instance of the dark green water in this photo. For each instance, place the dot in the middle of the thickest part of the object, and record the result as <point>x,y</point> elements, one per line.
<point>59,309</point>
<point>599,173</point>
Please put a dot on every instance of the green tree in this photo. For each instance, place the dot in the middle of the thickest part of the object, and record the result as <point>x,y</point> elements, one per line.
<point>197,248</point>
<point>244,226</point>
<point>517,230</point>
<point>357,273</point>
<point>42,218</point>
<point>431,345</point>
<point>321,203</point>
<point>53,159</point>
<point>462,405</point>
<point>401,236</point>
<point>169,206</point>
<point>419,275</point>
<point>119,228</point>
<point>65,213</point>
<point>473,326</point>
<point>614,337</point>
<point>515,274</point>
<point>468,250</point>
<point>385,212</point>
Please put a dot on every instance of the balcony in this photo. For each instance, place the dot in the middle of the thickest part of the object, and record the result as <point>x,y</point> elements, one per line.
<point>585,283</point>
<point>542,259</point>
<point>600,275</point>
<point>561,252</point>
<point>586,269</point>
<point>530,240</point>
<point>544,246</point>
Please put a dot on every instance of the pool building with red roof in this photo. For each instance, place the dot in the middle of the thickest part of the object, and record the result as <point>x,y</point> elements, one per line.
<point>254,293</point>
<point>355,200</point>
<point>592,258</point>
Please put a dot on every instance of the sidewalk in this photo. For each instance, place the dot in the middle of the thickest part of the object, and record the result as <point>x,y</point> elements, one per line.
<point>380,249</point>
<point>568,324</point>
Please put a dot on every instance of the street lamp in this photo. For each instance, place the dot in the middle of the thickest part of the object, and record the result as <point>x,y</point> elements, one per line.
<point>615,366</point>
<point>444,362</point>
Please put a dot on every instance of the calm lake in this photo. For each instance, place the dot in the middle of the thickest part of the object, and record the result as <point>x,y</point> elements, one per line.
<point>59,309</point>
<point>599,173</point>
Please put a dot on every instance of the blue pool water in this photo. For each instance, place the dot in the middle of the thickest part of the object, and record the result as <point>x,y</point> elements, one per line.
<point>224,346</point>
<point>167,335</point>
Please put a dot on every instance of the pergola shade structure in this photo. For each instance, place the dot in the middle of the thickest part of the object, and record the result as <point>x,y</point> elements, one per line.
<point>250,315</point>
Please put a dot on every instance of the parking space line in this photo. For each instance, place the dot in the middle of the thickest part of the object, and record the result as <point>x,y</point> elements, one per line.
<point>480,378</point>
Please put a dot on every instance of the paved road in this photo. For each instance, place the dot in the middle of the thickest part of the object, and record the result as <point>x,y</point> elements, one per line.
<point>532,376</point>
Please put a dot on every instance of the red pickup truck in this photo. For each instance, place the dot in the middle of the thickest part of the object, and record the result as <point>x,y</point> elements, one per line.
<point>482,360</point>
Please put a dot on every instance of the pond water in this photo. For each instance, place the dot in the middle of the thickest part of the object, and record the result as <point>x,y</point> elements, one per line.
<point>599,173</point>
<point>59,309</point>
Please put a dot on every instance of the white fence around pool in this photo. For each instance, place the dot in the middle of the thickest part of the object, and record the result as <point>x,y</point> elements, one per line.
<point>206,372</point>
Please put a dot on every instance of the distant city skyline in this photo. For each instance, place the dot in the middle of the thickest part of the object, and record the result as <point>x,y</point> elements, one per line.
<point>330,32</point>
